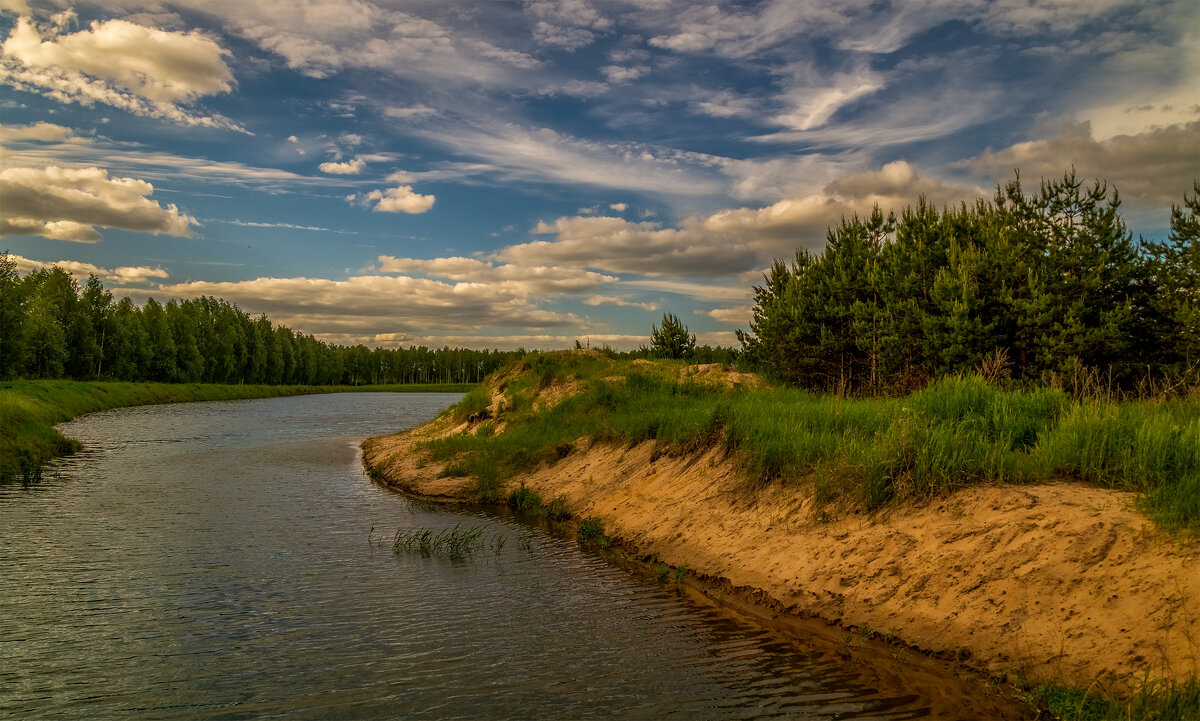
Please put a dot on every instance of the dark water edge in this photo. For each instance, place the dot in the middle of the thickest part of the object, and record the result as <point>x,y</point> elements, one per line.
<point>221,560</point>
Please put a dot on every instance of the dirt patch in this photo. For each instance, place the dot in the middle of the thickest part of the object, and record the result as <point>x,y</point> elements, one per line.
<point>1064,582</point>
<point>716,374</point>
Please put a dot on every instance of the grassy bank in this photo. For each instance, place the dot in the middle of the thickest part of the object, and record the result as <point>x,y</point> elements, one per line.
<point>29,410</point>
<point>855,453</point>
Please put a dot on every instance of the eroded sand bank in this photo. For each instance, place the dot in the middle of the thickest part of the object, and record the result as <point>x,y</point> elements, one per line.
<point>1062,582</point>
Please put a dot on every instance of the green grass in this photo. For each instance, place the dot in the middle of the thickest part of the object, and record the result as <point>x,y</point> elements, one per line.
<point>454,543</point>
<point>590,532</point>
<point>1154,701</point>
<point>862,452</point>
<point>30,409</point>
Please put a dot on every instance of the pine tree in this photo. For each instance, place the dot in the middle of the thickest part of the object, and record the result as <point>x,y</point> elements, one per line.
<point>672,339</point>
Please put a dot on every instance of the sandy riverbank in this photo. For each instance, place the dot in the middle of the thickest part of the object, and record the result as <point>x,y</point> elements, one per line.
<point>1061,582</point>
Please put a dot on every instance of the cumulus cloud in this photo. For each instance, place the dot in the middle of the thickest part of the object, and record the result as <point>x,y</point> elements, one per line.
<point>566,24</point>
<point>738,315</point>
<point>619,207</point>
<point>524,281</point>
<point>140,69</point>
<point>724,104</point>
<point>734,241</point>
<point>401,199</point>
<point>122,275</point>
<point>1152,169</point>
<point>622,302</point>
<point>350,167</point>
<point>40,131</point>
<point>367,305</point>
<point>621,74</point>
<point>67,203</point>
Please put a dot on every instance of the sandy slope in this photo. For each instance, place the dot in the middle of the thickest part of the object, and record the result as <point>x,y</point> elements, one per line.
<point>1065,582</point>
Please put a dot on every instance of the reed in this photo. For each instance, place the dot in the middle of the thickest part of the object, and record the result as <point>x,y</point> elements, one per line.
<point>454,543</point>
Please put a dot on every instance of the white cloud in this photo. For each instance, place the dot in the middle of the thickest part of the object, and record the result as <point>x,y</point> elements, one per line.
<point>40,131</point>
<point>566,24</point>
<point>66,203</point>
<point>140,69</point>
<point>80,271</point>
<point>619,207</point>
<point>733,241</point>
<point>320,38</point>
<point>16,7</point>
<point>541,155</point>
<point>620,246</point>
<point>622,302</point>
<point>368,305</point>
<point>400,199</point>
<point>1152,169</point>
<point>522,281</point>
<point>812,105</point>
<point>737,315</point>
<point>724,104</point>
<point>350,167</point>
<point>621,74</point>
<point>408,112</point>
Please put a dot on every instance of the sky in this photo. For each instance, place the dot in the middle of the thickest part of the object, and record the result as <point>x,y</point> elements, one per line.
<point>501,174</point>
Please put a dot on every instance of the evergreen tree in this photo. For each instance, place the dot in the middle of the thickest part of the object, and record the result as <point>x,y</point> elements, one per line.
<point>671,339</point>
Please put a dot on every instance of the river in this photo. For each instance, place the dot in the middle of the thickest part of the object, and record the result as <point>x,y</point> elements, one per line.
<point>231,560</point>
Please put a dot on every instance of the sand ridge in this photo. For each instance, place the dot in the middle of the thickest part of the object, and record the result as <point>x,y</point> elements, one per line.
<point>1060,581</point>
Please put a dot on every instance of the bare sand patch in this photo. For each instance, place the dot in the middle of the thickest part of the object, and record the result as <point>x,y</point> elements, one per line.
<point>1060,581</point>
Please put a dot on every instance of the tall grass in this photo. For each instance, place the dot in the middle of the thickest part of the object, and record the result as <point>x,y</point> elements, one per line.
<point>1153,701</point>
<point>958,431</point>
<point>30,409</point>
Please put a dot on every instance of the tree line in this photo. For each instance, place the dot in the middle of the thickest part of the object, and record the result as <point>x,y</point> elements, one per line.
<point>51,327</point>
<point>1037,284</point>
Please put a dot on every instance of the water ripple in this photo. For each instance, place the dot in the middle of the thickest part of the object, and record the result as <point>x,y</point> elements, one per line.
<point>225,561</point>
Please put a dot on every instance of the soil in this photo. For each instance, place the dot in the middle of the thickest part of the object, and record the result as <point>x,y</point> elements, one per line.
<point>1057,582</point>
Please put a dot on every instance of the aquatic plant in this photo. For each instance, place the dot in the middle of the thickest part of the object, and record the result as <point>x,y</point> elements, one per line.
<point>455,543</point>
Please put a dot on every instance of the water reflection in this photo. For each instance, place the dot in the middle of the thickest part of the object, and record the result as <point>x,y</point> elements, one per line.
<point>217,561</point>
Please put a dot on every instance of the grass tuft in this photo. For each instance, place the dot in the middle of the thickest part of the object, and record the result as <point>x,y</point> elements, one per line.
<point>867,453</point>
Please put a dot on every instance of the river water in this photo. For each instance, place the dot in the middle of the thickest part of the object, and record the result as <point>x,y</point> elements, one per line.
<point>232,561</point>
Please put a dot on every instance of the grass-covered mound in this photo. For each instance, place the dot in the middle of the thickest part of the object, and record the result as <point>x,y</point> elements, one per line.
<point>863,453</point>
<point>29,410</point>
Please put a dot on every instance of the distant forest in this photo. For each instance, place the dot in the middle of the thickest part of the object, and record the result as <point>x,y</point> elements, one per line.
<point>1037,287</point>
<point>50,327</point>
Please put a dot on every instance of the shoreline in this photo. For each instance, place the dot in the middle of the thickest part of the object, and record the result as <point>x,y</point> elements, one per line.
<point>1058,583</point>
<point>30,410</point>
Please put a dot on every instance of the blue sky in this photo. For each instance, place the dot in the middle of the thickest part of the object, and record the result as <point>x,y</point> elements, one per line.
<point>502,174</point>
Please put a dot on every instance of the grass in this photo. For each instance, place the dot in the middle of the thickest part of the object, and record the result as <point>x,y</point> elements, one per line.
<point>590,532</point>
<point>30,409</point>
<point>1154,701</point>
<point>863,453</point>
<point>454,543</point>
